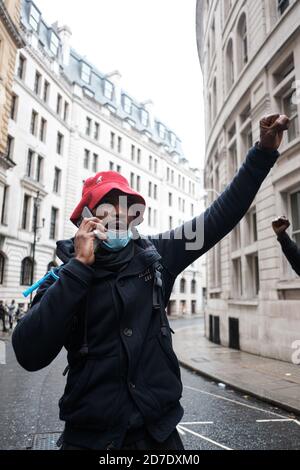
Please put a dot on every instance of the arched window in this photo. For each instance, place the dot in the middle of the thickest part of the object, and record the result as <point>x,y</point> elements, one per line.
<point>51,265</point>
<point>2,265</point>
<point>182,285</point>
<point>242,42</point>
<point>229,65</point>
<point>193,286</point>
<point>26,270</point>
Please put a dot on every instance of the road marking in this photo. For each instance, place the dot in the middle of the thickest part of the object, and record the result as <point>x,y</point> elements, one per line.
<point>180,430</point>
<point>234,401</point>
<point>204,438</point>
<point>277,420</point>
<point>198,422</point>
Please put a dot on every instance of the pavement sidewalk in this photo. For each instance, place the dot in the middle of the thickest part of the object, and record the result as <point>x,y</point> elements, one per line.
<point>271,380</point>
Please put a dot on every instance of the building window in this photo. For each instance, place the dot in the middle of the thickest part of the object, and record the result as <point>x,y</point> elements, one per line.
<point>25,213</point>
<point>233,160</point>
<point>26,272</point>
<point>34,17</point>
<point>229,65</point>
<point>127,104</point>
<point>4,204</point>
<point>237,290</point>
<point>88,126</point>
<point>111,166</point>
<point>150,189</point>
<point>144,117</point>
<point>2,265</point>
<point>108,89</point>
<point>132,180</point>
<point>139,156</point>
<point>37,83</point>
<point>155,191</point>
<point>56,182</point>
<point>46,91</point>
<point>119,168</point>
<point>132,152</point>
<point>192,210</point>
<point>170,222</point>
<point>155,165</point>
<point>14,107</point>
<point>86,73</point>
<point>33,123</point>
<point>66,111</point>
<point>182,285</point>
<point>58,104</point>
<point>138,183</point>
<point>119,144</point>
<point>295,210</point>
<point>39,169</point>
<point>10,147</point>
<point>43,130</point>
<point>54,43</point>
<point>242,42</point>
<point>86,161</point>
<point>161,131</point>
<point>283,5</point>
<point>53,223</point>
<point>21,67</point>
<point>60,143</point>
<point>253,275</point>
<point>251,225</point>
<point>193,286</point>
<point>150,162</point>
<point>30,156</point>
<point>95,163</point>
<point>170,199</point>
<point>291,109</point>
<point>97,131</point>
<point>112,140</point>
<point>149,216</point>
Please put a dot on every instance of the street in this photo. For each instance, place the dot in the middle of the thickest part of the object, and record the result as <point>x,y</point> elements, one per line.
<point>215,417</point>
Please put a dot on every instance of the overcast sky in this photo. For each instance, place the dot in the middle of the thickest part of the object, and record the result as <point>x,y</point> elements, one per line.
<point>153,45</point>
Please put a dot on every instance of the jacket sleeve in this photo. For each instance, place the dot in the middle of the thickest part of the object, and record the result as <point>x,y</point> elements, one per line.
<point>40,335</point>
<point>180,247</point>
<point>291,251</point>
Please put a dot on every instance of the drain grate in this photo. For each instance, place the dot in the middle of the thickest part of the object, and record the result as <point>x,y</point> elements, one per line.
<point>45,441</point>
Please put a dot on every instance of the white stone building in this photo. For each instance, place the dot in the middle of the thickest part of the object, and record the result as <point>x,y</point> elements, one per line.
<point>69,121</point>
<point>250,56</point>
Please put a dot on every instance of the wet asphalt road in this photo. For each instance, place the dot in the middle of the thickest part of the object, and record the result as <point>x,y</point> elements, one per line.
<point>215,418</point>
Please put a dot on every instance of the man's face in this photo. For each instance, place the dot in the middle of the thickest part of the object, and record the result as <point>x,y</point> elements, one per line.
<point>118,211</point>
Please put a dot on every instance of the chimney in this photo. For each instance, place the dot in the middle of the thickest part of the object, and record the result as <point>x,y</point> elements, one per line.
<point>65,35</point>
<point>149,106</point>
<point>115,77</point>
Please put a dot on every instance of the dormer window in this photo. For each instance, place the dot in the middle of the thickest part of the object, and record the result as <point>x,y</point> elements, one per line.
<point>108,89</point>
<point>54,43</point>
<point>86,72</point>
<point>144,117</point>
<point>161,131</point>
<point>173,139</point>
<point>34,17</point>
<point>127,104</point>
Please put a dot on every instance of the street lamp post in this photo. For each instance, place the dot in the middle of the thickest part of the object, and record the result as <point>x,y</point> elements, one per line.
<point>37,202</point>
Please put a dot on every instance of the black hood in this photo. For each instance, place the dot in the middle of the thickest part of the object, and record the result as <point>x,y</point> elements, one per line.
<point>65,249</point>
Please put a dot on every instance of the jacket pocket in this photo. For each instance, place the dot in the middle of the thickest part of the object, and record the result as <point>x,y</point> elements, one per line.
<point>77,383</point>
<point>167,348</point>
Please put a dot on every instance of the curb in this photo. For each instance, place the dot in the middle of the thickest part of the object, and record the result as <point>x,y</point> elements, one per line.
<point>263,398</point>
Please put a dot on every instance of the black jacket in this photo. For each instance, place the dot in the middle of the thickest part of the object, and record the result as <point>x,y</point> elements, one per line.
<point>291,251</point>
<point>129,359</point>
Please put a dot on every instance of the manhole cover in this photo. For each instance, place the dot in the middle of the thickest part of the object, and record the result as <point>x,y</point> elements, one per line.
<point>45,441</point>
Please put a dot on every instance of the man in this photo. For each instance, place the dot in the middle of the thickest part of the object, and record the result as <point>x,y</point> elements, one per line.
<point>108,308</point>
<point>11,313</point>
<point>289,247</point>
<point>2,316</point>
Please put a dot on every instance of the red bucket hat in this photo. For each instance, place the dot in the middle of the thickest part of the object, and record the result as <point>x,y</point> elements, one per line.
<point>96,187</point>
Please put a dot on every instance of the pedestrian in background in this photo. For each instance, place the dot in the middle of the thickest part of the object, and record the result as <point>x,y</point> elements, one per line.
<point>11,313</point>
<point>289,247</point>
<point>2,316</point>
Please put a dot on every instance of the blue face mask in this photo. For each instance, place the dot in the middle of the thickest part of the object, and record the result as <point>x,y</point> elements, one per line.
<point>117,240</point>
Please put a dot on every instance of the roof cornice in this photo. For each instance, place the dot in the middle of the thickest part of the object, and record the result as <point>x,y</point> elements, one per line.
<point>10,26</point>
